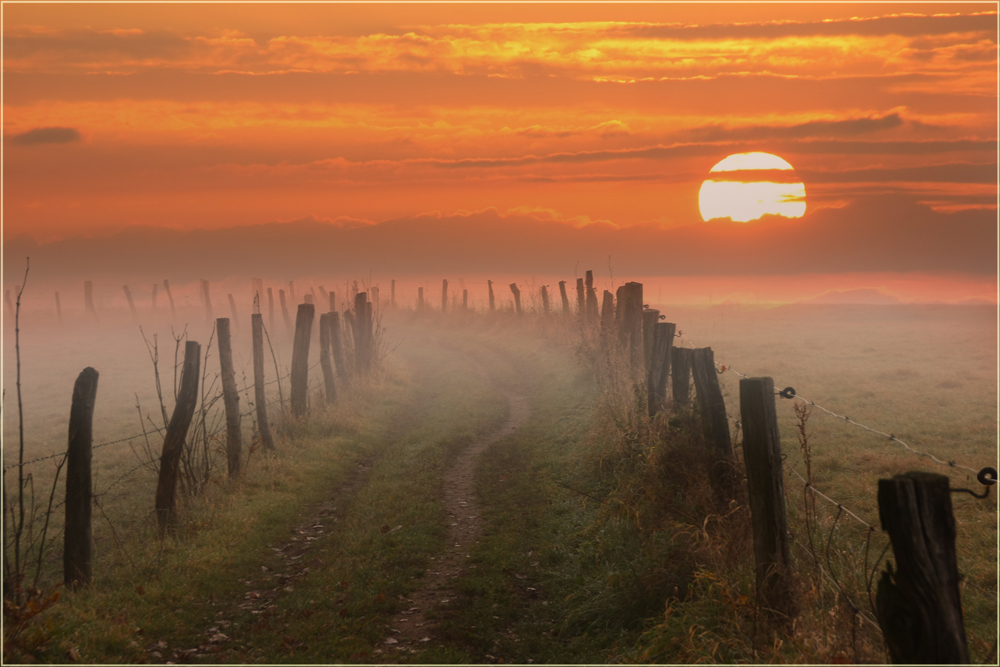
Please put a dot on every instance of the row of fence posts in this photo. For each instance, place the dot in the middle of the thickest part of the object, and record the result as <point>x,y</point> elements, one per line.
<point>79,490</point>
<point>918,605</point>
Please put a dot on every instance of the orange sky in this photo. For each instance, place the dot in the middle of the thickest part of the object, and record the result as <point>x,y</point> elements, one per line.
<point>208,116</point>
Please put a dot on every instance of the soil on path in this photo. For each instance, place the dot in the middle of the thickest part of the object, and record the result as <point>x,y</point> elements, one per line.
<point>413,627</point>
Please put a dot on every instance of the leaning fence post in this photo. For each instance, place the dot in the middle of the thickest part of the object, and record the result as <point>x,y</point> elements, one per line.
<point>88,298</point>
<point>300,358</point>
<point>79,491</point>
<point>131,303</point>
<point>230,398</point>
<point>663,341</point>
<point>232,309</point>
<point>591,297</point>
<point>650,317</point>
<point>58,309</point>
<point>173,441</point>
<point>766,491</point>
<point>562,295</point>
<point>284,311</point>
<point>517,297</point>
<point>208,300</point>
<point>263,423</point>
<point>170,296</point>
<point>711,404</point>
<point>581,303</point>
<point>919,605</point>
<point>545,299</point>
<point>493,305</point>
<point>324,357</point>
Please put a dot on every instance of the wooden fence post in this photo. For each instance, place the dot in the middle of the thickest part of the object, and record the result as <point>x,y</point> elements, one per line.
<point>517,297</point>
<point>270,309</point>
<point>173,441</point>
<point>363,334</point>
<point>663,341</point>
<point>284,311</point>
<point>79,489</point>
<point>300,358</point>
<point>131,303</point>
<point>170,297</point>
<point>444,295</point>
<point>545,299</point>
<point>58,309</point>
<point>564,297</point>
<point>629,318</point>
<point>465,299</point>
<point>230,398</point>
<point>263,423</point>
<point>88,299</point>
<point>711,404</point>
<point>919,605</point>
<point>581,303</point>
<point>333,301</point>
<point>680,387</point>
<point>493,305</point>
<point>291,291</point>
<point>766,491</point>
<point>232,308</point>
<point>591,297</point>
<point>337,344</point>
<point>607,313</point>
<point>208,300</point>
<point>650,317</point>
<point>324,357</point>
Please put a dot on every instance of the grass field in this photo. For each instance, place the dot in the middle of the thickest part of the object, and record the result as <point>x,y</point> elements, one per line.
<point>571,567</point>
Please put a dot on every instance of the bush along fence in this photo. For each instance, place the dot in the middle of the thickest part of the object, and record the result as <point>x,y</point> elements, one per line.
<point>350,348</point>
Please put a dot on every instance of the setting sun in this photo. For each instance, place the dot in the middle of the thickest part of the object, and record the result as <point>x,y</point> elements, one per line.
<point>750,185</point>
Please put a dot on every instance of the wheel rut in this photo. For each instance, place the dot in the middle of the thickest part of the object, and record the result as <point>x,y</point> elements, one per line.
<point>414,627</point>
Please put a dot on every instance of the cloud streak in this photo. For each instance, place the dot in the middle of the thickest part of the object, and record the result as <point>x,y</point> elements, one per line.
<point>45,135</point>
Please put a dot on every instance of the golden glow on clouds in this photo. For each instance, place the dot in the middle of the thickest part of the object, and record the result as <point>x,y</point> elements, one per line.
<point>747,200</point>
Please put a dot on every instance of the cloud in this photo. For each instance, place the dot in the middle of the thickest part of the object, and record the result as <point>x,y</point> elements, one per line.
<point>45,135</point>
<point>817,128</point>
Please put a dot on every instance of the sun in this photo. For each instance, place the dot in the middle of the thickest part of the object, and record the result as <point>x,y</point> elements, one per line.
<point>746,186</point>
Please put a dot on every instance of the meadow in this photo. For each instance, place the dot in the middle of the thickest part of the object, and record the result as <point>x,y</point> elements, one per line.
<point>597,546</point>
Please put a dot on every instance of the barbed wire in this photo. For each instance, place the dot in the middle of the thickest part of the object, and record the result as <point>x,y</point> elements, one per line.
<point>826,497</point>
<point>726,368</point>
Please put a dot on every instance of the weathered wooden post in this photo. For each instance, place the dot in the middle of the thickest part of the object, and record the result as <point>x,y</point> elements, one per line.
<point>517,298</point>
<point>629,318</point>
<point>284,311</point>
<point>766,491</point>
<point>270,309</point>
<point>711,404</point>
<point>173,441</point>
<point>58,309</point>
<point>131,304</point>
<point>465,299</point>
<point>591,297</point>
<point>88,299</point>
<point>680,387</point>
<point>170,297</point>
<point>444,295</point>
<point>650,317</point>
<point>324,357</point>
<point>919,606</point>
<point>79,489</point>
<point>232,309</point>
<point>420,299</point>
<point>263,423</point>
<point>300,358</point>
<point>545,300</point>
<point>230,398</point>
<point>607,313</point>
<point>208,300</point>
<point>493,304</point>
<point>337,344</point>
<point>663,341</point>
<point>581,302</point>
<point>562,295</point>
<point>363,343</point>
<point>333,302</point>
